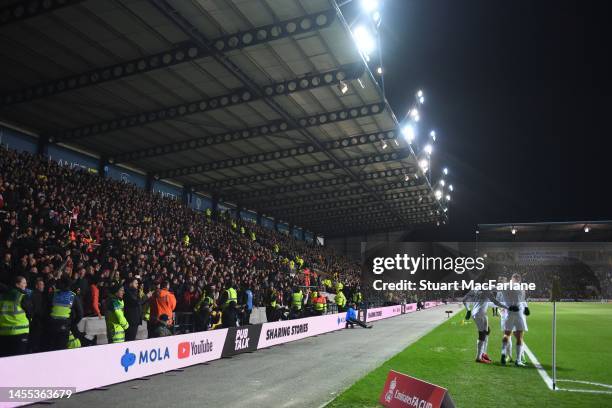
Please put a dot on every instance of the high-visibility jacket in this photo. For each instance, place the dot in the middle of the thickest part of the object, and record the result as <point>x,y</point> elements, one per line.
<point>327,283</point>
<point>204,301</point>
<point>320,304</point>
<point>357,297</point>
<point>186,240</point>
<point>340,299</point>
<point>146,312</point>
<point>291,265</point>
<point>61,305</point>
<point>232,296</point>
<point>276,248</point>
<point>13,319</point>
<point>116,324</point>
<point>296,300</point>
<point>234,225</point>
<point>253,237</point>
<point>339,286</point>
<point>242,230</point>
<point>208,212</point>
<point>273,297</point>
<point>73,342</point>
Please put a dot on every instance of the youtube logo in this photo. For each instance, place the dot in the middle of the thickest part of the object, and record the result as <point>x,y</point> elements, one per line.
<point>184,350</point>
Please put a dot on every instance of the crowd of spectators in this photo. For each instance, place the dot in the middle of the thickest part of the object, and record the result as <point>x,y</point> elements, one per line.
<point>101,233</point>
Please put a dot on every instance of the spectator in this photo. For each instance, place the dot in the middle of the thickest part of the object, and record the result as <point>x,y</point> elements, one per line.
<point>163,302</point>
<point>40,311</point>
<point>133,302</point>
<point>161,327</point>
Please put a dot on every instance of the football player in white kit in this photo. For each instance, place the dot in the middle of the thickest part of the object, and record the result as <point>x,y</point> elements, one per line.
<point>503,314</point>
<point>480,303</point>
<point>514,321</point>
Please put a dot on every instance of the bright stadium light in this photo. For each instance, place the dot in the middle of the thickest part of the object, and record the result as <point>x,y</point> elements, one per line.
<point>445,171</point>
<point>384,145</point>
<point>414,113</point>
<point>379,70</point>
<point>428,149</point>
<point>424,164</point>
<point>422,100</point>
<point>432,134</point>
<point>409,133</point>
<point>420,94</point>
<point>450,187</point>
<point>364,40</point>
<point>448,197</point>
<point>438,194</point>
<point>369,5</point>
<point>586,229</point>
<point>513,231</point>
<point>343,87</point>
<point>442,182</point>
<point>376,16</point>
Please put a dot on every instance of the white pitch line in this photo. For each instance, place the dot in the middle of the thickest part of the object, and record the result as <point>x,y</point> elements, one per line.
<point>549,382</point>
<point>539,367</point>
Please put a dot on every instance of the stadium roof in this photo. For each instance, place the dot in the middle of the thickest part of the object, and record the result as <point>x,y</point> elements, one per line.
<point>241,100</point>
<point>584,231</point>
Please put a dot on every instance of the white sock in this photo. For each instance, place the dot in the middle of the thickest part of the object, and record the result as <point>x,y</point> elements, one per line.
<point>509,348</point>
<point>519,352</point>
<point>479,348</point>
<point>504,349</point>
<point>486,345</point>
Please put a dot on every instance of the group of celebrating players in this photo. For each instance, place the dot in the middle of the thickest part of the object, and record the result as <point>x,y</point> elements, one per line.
<point>514,312</point>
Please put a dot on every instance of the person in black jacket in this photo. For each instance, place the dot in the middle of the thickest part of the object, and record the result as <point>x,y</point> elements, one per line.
<point>40,311</point>
<point>133,308</point>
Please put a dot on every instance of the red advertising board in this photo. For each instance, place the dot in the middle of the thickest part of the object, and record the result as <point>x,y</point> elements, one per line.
<point>402,391</point>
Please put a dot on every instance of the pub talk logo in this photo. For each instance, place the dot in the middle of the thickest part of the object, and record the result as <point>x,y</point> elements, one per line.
<point>242,339</point>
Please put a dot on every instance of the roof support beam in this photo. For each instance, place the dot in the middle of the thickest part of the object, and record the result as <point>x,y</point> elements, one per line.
<point>236,97</point>
<point>275,204</point>
<point>188,28</point>
<point>324,166</point>
<point>338,208</point>
<point>179,54</point>
<point>330,182</point>
<point>296,151</point>
<point>31,8</point>
<point>423,211</point>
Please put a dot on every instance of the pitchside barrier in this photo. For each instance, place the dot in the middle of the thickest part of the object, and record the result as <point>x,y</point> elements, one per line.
<point>89,368</point>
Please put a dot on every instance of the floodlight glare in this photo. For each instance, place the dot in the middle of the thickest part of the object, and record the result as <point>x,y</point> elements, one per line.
<point>420,93</point>
<point>450,187</point>
<point>422,100</point>
<point>414,113</point>
<point>364,40</point>
<point>442,182</point>
<point>428,149</point>
<point>409,134</point>
<point>384,145</point>
<point>343,86</point>
<point>376,16</point>
<point>369,5</point>
<point>438,194</point>
<point>586,229</point>
<point>424,164</point>
<point>448,197</point>
<point>445,171</point>
<point>379,70</point>
<point>513,231</point>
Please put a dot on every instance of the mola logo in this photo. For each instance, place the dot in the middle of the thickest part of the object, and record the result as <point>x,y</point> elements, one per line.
<point>128,359</point>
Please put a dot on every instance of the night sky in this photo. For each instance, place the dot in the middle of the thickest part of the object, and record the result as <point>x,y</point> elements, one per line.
<point>519,95</point>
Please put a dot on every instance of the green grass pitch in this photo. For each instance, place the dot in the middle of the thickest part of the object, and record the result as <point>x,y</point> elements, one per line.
<point>446,356</point>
